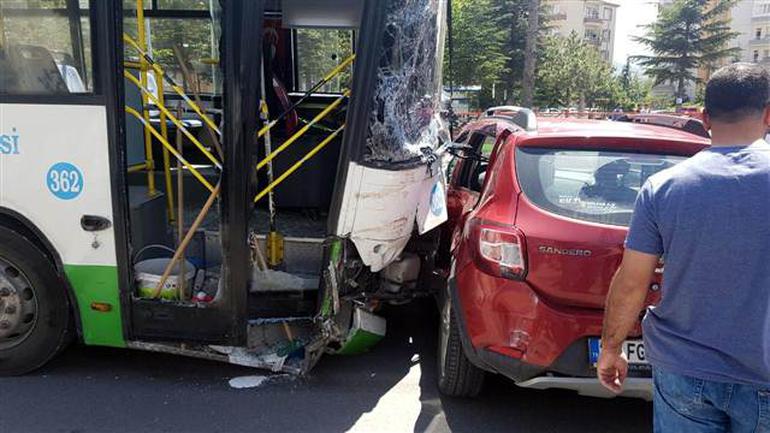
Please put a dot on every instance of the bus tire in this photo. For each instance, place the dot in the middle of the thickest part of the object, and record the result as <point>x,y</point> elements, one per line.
<point>34,312</point>
<point>457,376</point>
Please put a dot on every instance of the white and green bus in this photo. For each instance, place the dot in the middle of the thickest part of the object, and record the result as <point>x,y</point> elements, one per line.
<point>237,180</point>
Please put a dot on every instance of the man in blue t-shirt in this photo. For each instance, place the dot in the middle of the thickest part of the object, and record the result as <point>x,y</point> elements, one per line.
<point>709,338</point>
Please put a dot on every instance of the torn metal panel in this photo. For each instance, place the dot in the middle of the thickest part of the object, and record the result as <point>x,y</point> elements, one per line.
<point>268,361</point>
<point>367,330</point>
<point>405,119</point>
<point>232,355</point>
<point>381,208</point>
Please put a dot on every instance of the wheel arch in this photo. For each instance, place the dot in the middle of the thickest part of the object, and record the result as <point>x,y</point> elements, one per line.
<point>18,223</point>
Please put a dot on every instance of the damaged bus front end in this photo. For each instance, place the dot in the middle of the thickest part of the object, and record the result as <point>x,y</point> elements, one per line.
<point>391,190</point>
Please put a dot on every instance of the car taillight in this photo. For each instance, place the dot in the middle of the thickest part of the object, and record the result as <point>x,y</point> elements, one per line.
<point>499,250</point>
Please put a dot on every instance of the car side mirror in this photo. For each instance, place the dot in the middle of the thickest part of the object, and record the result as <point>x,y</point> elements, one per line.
<point>465,151</point>
<point>456,149</point>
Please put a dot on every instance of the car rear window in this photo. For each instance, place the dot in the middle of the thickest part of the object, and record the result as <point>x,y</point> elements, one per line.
<point>597,186</point>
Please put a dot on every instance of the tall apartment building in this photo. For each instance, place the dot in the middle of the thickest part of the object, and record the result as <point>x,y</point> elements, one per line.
<point>595,20</point>
<point>757,31</point>
<point>741,22</point>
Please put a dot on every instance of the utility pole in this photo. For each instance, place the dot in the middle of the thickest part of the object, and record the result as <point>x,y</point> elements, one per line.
<point>530,55</point>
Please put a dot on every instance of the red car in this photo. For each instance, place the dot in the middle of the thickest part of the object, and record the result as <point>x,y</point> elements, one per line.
<point>538,216</point>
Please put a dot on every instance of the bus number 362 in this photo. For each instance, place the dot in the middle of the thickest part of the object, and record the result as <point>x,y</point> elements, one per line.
<point>65,181</point>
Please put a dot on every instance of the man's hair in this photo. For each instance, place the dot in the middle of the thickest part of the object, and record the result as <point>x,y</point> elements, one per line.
<point>738,91</point>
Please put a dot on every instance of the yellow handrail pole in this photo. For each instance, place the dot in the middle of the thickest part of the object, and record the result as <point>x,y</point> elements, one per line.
<point>137,168</point>
<point>173,119</point>
<point>299,163</point>
<point>171,149</point>
<point>145,109</point>
<point>265,129</point>
<point>166,158</point>
<point>147,59</point>
<point>132,65</point>
<point>304,129</point>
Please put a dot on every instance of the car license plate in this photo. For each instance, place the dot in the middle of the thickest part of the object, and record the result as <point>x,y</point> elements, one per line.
<point>634,350</point>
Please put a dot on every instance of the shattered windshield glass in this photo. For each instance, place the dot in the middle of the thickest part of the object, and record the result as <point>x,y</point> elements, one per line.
<point>405,120</point>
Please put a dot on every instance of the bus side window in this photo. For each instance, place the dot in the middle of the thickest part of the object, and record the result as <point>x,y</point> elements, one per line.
<point>45,48</point>
<point>318,51</point>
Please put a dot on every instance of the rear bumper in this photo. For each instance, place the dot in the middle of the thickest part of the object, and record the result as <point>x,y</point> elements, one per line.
<point>633,387</point>
<point>556,354</point>
<point>508,317</point>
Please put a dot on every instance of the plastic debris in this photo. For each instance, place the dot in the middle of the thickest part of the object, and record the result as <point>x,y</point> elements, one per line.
<point>244,382</point>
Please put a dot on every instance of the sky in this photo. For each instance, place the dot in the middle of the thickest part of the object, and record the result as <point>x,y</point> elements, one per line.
<point>631,15</point>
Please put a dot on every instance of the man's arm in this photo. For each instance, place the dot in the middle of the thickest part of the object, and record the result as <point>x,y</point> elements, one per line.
<point>625,301</point>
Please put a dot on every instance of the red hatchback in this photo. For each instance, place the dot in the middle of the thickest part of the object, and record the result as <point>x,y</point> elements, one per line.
<point>538,217</point>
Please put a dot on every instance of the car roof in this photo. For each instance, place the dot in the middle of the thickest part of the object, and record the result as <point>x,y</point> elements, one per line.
<point>611,135</point>
<point>607,128</point>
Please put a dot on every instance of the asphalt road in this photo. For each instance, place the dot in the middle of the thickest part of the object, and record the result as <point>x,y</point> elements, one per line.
<point>391,389</point>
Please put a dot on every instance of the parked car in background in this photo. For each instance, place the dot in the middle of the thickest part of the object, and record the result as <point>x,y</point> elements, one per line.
<point>676,121</point>
<point>694,112</point>
<point>537,219</point>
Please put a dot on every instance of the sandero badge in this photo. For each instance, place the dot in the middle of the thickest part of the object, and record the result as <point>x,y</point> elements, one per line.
<point>9,143</point>
<point>543,249</point>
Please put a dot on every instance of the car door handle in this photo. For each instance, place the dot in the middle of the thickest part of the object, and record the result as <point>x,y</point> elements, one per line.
<point>93,223</point>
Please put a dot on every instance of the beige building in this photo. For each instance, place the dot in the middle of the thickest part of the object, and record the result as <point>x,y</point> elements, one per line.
<point>741,22</point>
<point>593,19</point>
<point>755,31</point>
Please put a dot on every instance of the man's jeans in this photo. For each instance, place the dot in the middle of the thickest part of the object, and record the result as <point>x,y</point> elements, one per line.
<point>688,405</point>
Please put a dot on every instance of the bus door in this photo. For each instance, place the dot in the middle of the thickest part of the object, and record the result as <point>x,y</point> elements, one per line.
<point>56,118</point>
<point>216,172</point>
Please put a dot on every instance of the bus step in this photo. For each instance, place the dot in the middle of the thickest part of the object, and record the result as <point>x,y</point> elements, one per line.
<point>279,281</point>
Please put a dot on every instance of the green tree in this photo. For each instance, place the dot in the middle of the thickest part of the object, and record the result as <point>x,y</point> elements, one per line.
<point>318,52</point>
<point>689,34</point>
<point>489,39</point>
<point>530,52</point>
<point>625,74</point>
<point>571,72</point>
<point>634,89</point>
<point>513,16</point>
<point>479,45</point>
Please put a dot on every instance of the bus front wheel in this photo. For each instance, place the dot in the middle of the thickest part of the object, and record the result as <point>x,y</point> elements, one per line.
<point>34,312</point>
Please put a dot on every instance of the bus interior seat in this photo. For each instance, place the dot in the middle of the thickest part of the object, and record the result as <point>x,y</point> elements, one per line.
<point>36,70</point>
<point>8,76</point>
